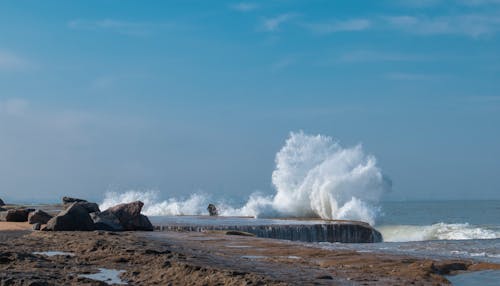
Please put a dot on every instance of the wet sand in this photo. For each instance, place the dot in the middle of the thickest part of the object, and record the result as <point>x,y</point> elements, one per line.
<point>212,258</point>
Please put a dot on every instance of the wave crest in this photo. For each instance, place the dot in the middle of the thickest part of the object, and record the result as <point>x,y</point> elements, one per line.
<point>314,177</point>
<point>438,231</point>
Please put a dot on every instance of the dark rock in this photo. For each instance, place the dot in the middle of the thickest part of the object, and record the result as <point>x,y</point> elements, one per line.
<point>446,268</point>
<point>75,217</point>
<point>325,277</point>
<point>90,207</point>
<point>106,221</point>
<point>39,216</point>
<point>129,216</point>
<point>15,215</point>
<point>37,226</point>
<point>70,200</point>
<point>236,232</point>
<point>212,210</point>
<point>2,203</point>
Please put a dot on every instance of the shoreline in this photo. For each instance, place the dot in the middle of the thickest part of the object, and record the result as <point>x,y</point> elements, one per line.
<point>212,257</point>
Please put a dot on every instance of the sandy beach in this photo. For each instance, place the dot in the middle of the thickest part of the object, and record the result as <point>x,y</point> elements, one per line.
<point>211,258</point>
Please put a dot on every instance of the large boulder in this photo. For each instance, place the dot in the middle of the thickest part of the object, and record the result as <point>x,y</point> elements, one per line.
<point>75,217</point>
<point>106,221</point>
<point>129,216</point>
<point>91,207</point>
<point>2,203</point>
<point>38,216</point>
<point>15,215</point>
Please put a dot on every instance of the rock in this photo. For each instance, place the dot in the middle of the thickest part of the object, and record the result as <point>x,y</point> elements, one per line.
<point>90,207</point>
<point>106,221</point>
<point>75,217</point>
<point>2,203</point>
<point>15,215</point>
<point>38,216</point>
<point>36,226</point>
<point>212,210</point>
<point>129,216</point>
<point>70,200</point>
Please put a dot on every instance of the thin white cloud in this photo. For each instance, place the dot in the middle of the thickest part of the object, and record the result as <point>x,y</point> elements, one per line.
<point>12,62</point>
<point>244,7</point>
<point>484,98</point>
<point>283,64</point>
<point>432,3</point>
<point>479,2</point>
<point>118,26</point>
<point>273,24</point>
<point>13,106</point>
<point>377,56</point>
<point>404,76</point>
<point>349,25</point>
<point>473,25</point>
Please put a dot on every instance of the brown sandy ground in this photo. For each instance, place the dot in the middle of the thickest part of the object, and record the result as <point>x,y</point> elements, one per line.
<point>170,258</point>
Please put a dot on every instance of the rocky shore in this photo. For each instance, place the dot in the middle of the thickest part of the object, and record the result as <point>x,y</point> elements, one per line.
<point>212,257</point>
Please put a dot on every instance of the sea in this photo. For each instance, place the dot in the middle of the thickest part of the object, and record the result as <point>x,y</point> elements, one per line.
<point>427,229</point>
<point>316,177</point>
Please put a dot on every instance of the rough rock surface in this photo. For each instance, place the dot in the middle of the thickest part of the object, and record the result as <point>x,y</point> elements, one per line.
<point>106,221</point>
<point>38,216</point>
<point>15,215</point>
<point>191,258</point>
<point>90,207</point>
<point>129,216</point>
<point>36,226</point>
<point>212,210</point>
<point>75,217</point>
<point>70,200</point>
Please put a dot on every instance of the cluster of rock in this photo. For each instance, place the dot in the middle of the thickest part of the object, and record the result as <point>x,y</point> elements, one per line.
<point>15,215</point>
<point>82,215</point>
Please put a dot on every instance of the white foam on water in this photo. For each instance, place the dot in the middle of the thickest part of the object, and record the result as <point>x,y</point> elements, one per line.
<point>314,177</point>
<point>438,231</point>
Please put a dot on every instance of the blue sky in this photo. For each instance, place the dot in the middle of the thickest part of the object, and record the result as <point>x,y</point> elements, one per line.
<point>187,96</point>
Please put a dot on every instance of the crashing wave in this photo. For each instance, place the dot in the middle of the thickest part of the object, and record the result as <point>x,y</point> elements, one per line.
<point>314,177</point>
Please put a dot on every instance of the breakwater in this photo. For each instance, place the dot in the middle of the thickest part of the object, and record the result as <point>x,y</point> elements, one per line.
<point>342,231</point>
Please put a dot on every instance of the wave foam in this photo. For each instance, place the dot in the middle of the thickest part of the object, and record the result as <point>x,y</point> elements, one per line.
<point>314,177</point>
<point>438,231</point>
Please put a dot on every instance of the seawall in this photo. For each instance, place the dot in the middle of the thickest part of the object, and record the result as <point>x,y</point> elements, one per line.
<point>342,231</point>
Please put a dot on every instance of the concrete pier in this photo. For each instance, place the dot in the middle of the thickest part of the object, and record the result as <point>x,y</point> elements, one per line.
<point>331,231</point>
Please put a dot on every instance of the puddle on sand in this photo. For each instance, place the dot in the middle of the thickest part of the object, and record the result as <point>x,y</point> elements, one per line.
<point>484,278</point>
<point>53,253</point>
<point>109,276</point>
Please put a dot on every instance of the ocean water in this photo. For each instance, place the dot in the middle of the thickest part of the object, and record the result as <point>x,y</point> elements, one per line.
<point>425,229</point>
<point>316,177</point>
<point>438,229</point>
